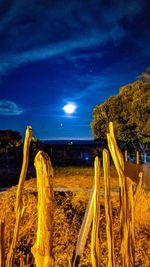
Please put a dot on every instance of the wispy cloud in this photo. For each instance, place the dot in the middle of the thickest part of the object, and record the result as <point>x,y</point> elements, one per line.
<point>92,87</point>
<point>35,30</point>
<point>9,108</point>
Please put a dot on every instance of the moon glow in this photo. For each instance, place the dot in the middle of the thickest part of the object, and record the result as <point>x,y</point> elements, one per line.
<point>69,108</point>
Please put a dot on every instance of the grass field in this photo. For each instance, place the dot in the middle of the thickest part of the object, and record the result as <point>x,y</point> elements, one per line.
<point>70,207</point>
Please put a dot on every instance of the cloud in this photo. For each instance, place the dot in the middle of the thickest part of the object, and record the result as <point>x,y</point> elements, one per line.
<point>85,55</point>
<point>9,108</point>
<point>35,30</point>
<point>12,60</point>
<point>92,87</point>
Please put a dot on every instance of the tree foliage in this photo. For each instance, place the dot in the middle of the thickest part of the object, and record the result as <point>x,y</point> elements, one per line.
<point>9,139</point>
<point>129,111</point>
<point>145,76</point>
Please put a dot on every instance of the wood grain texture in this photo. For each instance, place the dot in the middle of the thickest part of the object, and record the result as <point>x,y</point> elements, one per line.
<point>108,210</point>
<point>19,209</point>
<point>95,235</point>
<point>42,249</point>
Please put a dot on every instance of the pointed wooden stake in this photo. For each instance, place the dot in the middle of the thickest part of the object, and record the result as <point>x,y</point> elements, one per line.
<point>42,249</point>
<point>19,203</point>
<point>95,236</point>
<point>108,211</point>
<point>2,225</point>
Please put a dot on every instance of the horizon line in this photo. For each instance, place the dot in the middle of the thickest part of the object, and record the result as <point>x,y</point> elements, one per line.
<point>67,139</point>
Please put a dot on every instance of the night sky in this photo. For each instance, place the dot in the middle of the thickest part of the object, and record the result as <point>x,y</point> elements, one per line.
<point>55,52</point>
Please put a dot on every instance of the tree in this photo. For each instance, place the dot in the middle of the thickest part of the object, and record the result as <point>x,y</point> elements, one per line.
<point>9,139</point>
<point>145,76</point>
<point>129,111</point>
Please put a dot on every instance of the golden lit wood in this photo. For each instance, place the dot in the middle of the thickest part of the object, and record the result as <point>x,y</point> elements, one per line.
<point>84,231</point>
<point>126,218</point>
<point>19,203</point>
<point>27,141</point>
<point>131,224</point>
<point>139,186</point>
<point>42,249</point>
<point>126,155</point>
<point>95,235</point>
<point>137,157</point>
<point>108,211</point>
<point>2,224</point>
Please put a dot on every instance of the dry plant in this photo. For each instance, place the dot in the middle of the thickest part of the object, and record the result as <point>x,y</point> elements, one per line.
<point>142,210</point>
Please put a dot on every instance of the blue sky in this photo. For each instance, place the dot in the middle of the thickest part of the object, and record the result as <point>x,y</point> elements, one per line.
<point>55,52</point>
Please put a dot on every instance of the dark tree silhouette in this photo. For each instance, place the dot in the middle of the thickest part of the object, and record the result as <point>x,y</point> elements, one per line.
<point>9,139</point>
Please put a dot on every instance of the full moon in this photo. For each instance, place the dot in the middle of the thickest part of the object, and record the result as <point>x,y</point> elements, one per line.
<point>69,108</point>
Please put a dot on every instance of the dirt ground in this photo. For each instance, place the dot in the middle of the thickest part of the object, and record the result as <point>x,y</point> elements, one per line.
<point>70,207</point>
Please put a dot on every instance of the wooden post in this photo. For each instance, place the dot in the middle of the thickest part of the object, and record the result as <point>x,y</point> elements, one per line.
<point>95,236</point>
<point>131,225</point>
<point>108,211</point>
<point>137,157</point>
<point>42,249</point>
<point>84,230</point>
<point>126,155</point>
<point>2,225</point>
<point>19,203</point>
<point>125,209</point>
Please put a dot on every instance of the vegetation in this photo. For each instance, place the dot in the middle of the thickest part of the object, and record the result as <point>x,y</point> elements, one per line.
<point>69,211</point>
<point>129,110</point>
<point>9,139</point>
<point>145,76</point>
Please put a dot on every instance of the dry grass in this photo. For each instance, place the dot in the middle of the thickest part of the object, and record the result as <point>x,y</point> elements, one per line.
<point>69,212</point>
<point>142,224</point>
<point>75,177</point>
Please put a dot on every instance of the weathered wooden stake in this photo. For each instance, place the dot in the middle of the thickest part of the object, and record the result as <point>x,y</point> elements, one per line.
<point>19,203</point>
<point>95,236</point>
<point>126,205</point>
<point>108,211</point>
<point>84,231</point>
<point>131,224</point>
<point>137,157</point>
<point>126,155</point>
<point>2,225</point>
<point>42,249</point>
